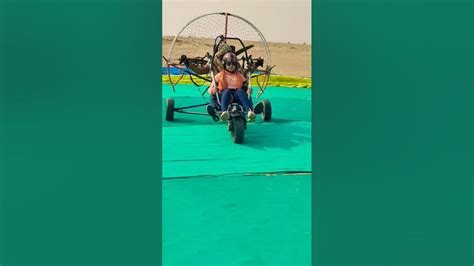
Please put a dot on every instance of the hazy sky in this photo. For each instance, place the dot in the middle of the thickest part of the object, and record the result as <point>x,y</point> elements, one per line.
<point>279,21</point>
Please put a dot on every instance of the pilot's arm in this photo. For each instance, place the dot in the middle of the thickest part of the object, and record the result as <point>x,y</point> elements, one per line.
<point>212,88</point>
<point>246,87</point>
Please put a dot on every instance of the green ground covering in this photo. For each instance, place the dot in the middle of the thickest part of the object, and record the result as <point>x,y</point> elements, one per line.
<point>229,204</point>
<point>237,220</point>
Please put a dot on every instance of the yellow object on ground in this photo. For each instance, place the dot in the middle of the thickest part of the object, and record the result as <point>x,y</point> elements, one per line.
<point>276,81</point>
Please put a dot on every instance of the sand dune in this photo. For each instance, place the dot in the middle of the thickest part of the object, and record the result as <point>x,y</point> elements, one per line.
<point>289,59</point>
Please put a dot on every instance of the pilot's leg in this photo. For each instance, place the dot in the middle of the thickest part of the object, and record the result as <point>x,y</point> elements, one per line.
<point>212,107</point>
<point>213,101</point>
<point>226,97</point>
<point>244,99</point>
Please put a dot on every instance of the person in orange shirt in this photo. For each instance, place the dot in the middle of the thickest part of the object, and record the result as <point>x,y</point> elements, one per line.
<point>232,86</point>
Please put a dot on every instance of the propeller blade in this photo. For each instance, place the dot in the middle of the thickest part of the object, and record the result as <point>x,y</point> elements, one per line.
<point>244,49</point>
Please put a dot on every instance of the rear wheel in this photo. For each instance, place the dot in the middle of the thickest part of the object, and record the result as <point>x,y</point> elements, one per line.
<point>238,129</point>
<point>267,110</point>
<point>169,109</point>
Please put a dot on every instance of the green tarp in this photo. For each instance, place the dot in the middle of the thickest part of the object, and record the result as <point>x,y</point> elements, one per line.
<point>196,145</point>
<point>229,204</point>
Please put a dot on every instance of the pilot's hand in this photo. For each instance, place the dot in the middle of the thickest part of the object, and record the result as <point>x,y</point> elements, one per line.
<point>212,91</point>
<point>223,49</point>
<point>226,48</point>
<point>249,91</point>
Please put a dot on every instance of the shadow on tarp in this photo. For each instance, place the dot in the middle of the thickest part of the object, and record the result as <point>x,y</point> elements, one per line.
<point>284,110</point>
<point>290,125</point>
<point>278,134</point>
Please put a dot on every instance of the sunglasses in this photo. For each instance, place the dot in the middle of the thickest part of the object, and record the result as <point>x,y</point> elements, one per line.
<point>230,64</point>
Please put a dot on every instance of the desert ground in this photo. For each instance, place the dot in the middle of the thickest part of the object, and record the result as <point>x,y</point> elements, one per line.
<point>289,59</point>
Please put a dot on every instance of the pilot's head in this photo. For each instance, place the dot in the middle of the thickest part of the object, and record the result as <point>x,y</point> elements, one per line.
<point>229,61</point>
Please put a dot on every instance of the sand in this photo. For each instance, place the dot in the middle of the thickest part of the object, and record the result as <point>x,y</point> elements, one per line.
<point>289,59</point>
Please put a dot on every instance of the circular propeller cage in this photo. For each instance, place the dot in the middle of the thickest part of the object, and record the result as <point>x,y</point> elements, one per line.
<point>196,41</point>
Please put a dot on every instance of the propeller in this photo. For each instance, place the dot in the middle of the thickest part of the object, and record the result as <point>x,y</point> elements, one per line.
<point>244,49</point>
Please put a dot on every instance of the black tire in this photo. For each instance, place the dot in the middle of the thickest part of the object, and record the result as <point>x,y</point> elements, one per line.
<point>169,109</point>
<point>267,110</point>
<point>238,129</point>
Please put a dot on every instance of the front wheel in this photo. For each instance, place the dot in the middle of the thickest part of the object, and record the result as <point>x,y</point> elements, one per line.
<point>238,129</point>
